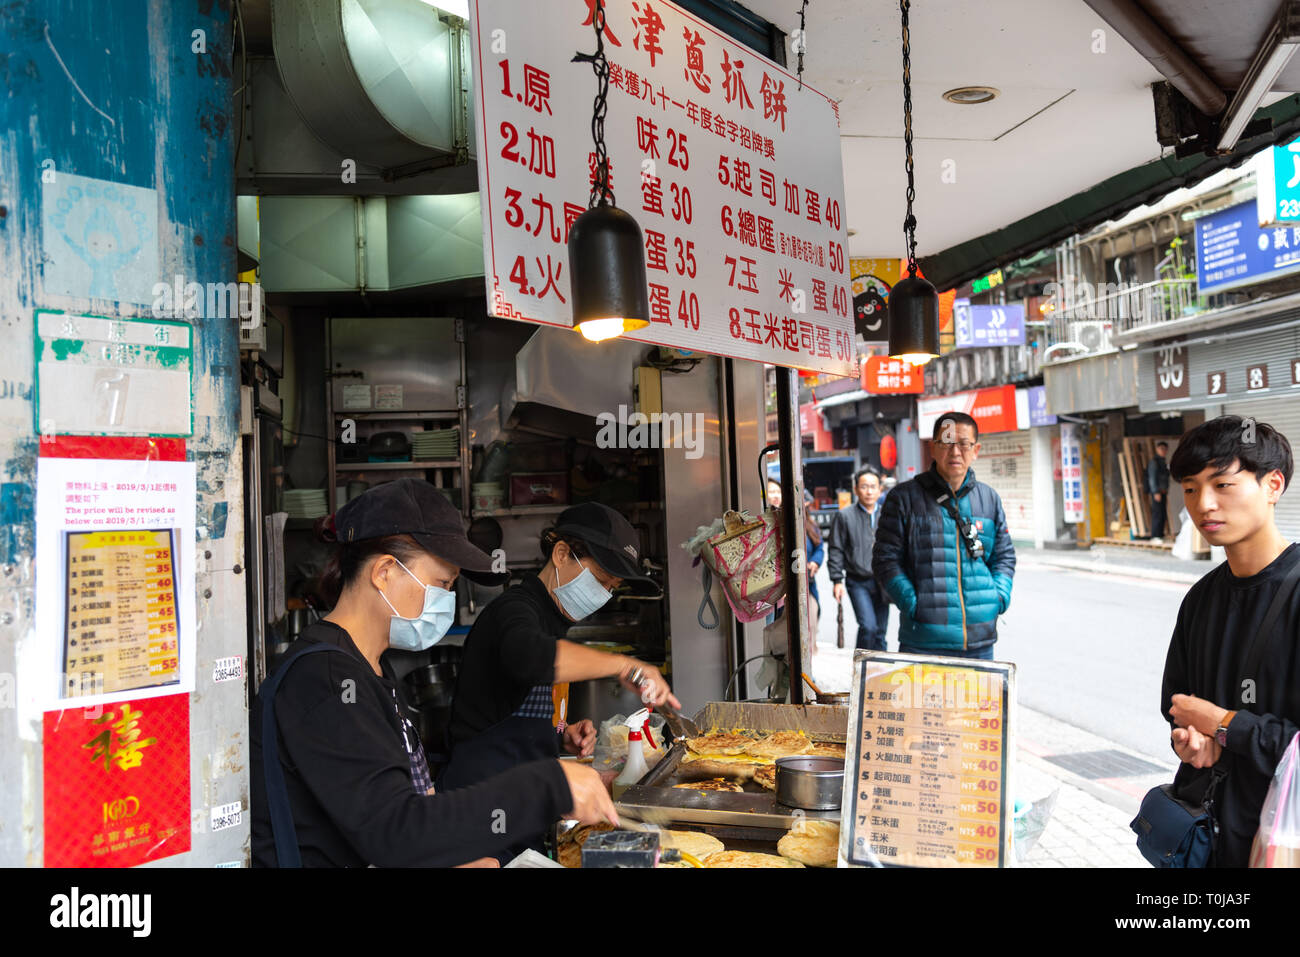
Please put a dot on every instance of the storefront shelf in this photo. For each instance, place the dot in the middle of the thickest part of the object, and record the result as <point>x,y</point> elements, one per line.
<point>395,466</point>
<point>395,415</point>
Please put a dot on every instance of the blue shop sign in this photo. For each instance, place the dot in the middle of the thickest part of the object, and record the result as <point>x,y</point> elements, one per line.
<point>1232,249</point>
<point>989,325</point>
<point>1038,414</point>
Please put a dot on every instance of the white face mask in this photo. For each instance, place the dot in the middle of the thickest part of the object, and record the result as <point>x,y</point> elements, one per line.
<point>427,629</point>
<point>583,596</point>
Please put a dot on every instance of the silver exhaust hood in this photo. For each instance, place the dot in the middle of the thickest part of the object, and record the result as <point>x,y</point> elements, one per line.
<point>562,382</point>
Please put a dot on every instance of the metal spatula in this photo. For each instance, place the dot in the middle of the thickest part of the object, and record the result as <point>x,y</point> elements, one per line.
<point>680,725</point>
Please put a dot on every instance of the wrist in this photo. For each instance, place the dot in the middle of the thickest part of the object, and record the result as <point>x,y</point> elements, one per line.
<point>1221,732</point>
<point>631,670</point>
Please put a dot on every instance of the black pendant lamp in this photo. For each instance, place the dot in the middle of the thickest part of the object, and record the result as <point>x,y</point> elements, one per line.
<point>607,276</point>
<point>913,302</point>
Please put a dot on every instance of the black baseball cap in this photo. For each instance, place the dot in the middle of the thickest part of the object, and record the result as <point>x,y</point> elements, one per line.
<point>416,508</point>
<point>609,537</point>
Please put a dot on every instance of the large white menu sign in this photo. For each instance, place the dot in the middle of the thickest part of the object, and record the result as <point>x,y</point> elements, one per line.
<point>733,173</point>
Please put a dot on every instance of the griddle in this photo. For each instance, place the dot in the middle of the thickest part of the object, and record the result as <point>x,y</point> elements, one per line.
<point>654,800</point>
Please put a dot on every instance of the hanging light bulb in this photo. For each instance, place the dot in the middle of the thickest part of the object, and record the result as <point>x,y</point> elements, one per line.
<point>607,277</point>
<point>913,302</point>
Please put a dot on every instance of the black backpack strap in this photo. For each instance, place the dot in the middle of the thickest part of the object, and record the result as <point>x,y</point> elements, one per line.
<point>947,500</point>
<point>1259,641</point>
<point>277,795</point>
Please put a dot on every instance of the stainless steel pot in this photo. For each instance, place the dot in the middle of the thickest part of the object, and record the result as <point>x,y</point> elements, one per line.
<point>832,697</point>
<point>812,783</point>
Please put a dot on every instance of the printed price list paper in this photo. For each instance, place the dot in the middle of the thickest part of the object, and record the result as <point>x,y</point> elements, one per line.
<point>733,173</point>
<point>117,618</point>
<point>121,600</point>
<point>930,758</point>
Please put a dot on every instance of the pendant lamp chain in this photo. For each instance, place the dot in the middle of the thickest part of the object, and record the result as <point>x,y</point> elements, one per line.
<point>909,224</point>
<point>803,38</point>
<point>601,191</point>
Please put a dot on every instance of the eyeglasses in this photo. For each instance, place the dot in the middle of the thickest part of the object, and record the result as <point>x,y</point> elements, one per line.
<point>965,444</point>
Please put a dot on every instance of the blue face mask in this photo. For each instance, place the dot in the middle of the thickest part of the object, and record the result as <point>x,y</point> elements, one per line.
<point>418,634</point>
<point>581,597</point>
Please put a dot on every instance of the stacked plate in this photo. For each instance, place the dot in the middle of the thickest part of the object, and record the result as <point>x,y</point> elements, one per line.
<point>306,502</point>
<point>438,444</point>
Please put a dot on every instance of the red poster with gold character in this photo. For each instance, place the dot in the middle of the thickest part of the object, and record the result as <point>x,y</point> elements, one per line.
<point>117,783</point>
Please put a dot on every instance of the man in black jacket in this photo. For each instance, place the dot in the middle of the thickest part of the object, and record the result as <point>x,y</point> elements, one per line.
<point>1228,715</point>
<point>1158,489</point>
<point>848,559</point>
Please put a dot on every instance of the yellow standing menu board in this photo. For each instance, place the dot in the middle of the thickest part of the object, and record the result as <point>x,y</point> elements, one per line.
<point>929,759</point>
<point>121,629</point>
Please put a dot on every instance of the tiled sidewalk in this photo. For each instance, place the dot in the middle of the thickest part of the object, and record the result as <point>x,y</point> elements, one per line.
<point>1088,826</point>
<point>1096,795</point>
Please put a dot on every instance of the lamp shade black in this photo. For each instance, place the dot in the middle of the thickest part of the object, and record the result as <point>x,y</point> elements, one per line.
<point>607,276</point>
<point>913,320</point>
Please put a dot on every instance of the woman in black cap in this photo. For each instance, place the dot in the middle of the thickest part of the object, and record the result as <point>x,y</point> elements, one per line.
<point>339,775</point>
<point>502,713</point>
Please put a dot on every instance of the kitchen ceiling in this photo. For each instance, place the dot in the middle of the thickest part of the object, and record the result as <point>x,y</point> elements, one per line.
<point>1069,142</point>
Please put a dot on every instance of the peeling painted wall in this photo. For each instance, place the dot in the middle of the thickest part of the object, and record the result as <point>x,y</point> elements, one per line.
<point>117,92</point>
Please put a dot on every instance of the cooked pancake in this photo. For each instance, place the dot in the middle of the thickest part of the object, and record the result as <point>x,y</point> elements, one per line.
<point>766,776</point>
<point>692,842</point>
<point>570,855</point>
<point>779,745</point>
<point>719,742</point>
<point>713,784</point>
<point>748,859</point>
<point>811,842</point>
<point>569,852</point>
<point>716,768</point>
<point>827,749</point>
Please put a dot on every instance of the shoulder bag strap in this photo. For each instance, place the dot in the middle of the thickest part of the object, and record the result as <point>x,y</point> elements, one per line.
<point>948,502</point>
<point>277,795</point>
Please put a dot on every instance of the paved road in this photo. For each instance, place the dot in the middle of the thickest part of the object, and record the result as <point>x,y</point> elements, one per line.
<point>1090,649</point>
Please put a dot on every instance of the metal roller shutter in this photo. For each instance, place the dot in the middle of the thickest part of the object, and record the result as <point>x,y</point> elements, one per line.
<point>1283,415</point>
<point>1006,465</point>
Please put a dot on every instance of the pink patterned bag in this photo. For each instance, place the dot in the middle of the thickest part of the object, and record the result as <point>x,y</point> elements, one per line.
<point>746,557</point>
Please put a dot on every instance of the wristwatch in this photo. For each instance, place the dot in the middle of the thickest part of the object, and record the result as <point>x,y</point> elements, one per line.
<point>1221,732</point>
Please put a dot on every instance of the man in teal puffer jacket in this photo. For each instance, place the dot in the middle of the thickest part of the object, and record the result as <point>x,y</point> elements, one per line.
<point>949,579</point>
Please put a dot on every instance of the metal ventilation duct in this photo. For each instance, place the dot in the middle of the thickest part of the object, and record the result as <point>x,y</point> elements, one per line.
<point>383,82</point>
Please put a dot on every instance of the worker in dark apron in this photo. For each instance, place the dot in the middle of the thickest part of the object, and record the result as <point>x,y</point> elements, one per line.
<point>339,777</point>
<point>503,713</point>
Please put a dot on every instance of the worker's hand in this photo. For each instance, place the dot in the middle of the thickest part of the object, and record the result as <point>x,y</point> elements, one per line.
<point>1189,711</point>
<point>591,801</point>
<point>838,591</point>
<point>1157,496</point>
<point>580,738</point>
<point>654,689</point>
<point>1198,750</point>
<point>482,862</point>
<point>812,569</point>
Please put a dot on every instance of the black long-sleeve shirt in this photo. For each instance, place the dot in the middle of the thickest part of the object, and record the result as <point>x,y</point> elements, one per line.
<point>509,651</point>
<point>1218,618</point>
<point>349,781</point>
<point>1157,475</point>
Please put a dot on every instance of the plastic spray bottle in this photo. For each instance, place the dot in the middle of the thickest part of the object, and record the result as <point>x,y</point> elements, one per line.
<point>634,769</point>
